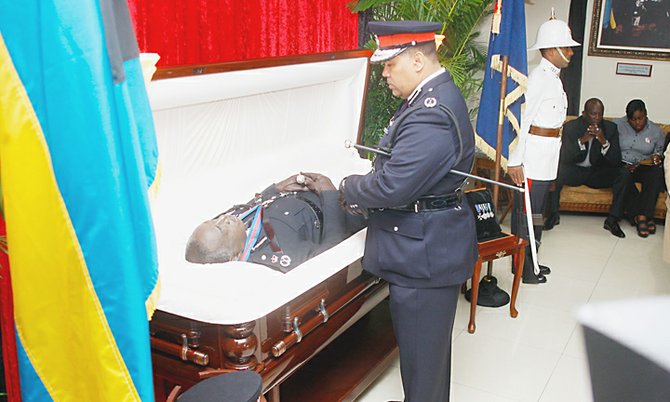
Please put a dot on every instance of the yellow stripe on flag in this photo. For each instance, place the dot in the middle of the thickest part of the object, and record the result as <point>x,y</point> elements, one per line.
<point>59,319</point>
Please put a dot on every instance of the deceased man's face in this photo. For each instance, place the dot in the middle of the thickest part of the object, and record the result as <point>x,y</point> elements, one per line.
<point>218,240</point>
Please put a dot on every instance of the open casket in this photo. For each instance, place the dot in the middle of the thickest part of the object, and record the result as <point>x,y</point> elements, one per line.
<point>225,132</point>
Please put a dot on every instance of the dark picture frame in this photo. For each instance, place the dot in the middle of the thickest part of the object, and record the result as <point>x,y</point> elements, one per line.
<point>631,29</point>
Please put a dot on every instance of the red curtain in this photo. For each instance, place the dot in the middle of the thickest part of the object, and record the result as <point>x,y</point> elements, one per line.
<point>9,358</point>
<point>187,32</point>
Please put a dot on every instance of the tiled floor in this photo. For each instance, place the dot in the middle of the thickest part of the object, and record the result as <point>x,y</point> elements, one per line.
<point>540,356</point>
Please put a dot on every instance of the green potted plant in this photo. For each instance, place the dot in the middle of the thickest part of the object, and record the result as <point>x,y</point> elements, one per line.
<point>460,52</point>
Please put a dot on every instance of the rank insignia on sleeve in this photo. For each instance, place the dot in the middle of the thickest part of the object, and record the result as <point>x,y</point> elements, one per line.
<point>430,102</point>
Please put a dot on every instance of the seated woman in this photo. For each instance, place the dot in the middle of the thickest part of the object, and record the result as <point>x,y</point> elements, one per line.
<point>641,143</point>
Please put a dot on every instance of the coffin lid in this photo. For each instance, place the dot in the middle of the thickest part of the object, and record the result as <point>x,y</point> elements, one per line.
<point>226,132</point>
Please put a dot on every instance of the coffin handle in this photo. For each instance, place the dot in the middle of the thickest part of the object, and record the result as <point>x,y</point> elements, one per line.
<point>296,329</point>
<point>296,335</point>
<point>183,352</point>
<point>323,311</point>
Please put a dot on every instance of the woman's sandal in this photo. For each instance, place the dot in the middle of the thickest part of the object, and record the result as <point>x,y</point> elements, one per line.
<point>651,225</point>
<point>642,228</point>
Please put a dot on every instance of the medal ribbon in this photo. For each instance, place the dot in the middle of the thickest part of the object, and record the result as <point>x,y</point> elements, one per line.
<point>254,230</point>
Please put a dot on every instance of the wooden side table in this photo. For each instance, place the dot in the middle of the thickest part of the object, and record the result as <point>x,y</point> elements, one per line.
<point>492,250</point>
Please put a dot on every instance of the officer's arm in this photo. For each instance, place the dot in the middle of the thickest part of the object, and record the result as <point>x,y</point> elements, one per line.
<point>423,154</point>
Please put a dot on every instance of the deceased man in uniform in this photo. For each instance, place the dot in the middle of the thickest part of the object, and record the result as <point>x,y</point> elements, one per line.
<point>286,224</point>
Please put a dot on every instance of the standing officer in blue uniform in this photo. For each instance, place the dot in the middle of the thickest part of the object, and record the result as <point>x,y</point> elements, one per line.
<point>420,238</point>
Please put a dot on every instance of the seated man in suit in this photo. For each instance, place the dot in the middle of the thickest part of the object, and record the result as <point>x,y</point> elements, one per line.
<point>288,223</point>
<point>590,155</point>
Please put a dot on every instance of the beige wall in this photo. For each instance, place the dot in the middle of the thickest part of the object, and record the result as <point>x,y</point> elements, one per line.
<point>598,73</point>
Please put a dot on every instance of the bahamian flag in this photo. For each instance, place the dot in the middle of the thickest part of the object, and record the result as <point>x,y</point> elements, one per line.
<point>508,38</point>
<point>77,156</point>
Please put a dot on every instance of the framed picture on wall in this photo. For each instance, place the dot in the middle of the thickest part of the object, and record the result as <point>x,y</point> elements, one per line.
<point>638,29</point>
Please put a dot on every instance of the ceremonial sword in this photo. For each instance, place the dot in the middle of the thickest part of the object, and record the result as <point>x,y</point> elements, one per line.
<point>349,144</point>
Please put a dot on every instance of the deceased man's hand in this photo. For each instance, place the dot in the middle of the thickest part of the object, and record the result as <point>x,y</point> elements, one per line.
<point>291,184</point>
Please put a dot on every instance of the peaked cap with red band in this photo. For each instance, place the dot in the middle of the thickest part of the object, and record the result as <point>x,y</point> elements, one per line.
<point>393,37</point>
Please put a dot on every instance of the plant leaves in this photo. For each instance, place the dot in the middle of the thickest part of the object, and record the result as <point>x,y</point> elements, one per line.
<point>460,53</point>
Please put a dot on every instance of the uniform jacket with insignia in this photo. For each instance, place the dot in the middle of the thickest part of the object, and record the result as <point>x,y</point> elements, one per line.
<point>297,226</point>
<point>546,107</point>
<point>419,249</point>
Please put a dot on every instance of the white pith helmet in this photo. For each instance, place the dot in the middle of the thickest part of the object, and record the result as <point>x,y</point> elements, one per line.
<point>553,33</point>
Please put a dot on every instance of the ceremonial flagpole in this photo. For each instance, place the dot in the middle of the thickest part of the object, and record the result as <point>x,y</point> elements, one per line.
<point>501,122</point>
<point>499,140</point>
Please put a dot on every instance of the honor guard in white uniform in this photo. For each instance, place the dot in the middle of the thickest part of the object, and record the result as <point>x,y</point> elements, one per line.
<point>535,158</point>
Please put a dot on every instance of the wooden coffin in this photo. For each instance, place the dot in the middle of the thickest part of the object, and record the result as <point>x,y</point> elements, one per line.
<point>225,132</point>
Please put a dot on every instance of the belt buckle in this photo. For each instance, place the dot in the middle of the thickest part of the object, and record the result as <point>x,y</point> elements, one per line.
<point>459,198</point>
<point>459,195</point>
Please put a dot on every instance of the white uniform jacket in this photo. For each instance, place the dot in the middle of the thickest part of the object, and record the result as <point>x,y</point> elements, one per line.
<point>546,107</point>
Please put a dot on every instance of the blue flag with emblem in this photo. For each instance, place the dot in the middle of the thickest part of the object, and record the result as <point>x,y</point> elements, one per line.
<point>508,38</point>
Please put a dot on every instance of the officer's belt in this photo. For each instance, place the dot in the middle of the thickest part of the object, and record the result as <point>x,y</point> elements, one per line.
<point>433,203</point>
<point>545,132</point>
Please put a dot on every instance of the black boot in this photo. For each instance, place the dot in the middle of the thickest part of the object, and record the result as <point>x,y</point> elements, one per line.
<point>533,279</point>
<point>551,221</point>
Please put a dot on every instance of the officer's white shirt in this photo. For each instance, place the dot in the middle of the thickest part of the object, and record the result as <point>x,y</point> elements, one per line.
<point>546,107</point>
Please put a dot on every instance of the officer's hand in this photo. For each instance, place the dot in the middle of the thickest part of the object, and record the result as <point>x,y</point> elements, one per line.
<point>291,184</point>
<point>317,182</point>
<point>516,174</point>
<point>341,201</point>
<point>357,211</point>
<point>351,209</point>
